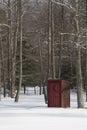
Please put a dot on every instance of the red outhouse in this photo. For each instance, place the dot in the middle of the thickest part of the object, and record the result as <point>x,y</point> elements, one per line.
<point>58,92</point>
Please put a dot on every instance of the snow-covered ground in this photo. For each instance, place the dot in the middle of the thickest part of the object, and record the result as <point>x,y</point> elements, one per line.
<point>31,113</point>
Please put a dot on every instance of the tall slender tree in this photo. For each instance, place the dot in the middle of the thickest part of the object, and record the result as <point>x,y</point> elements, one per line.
<point>9,46</point>
<point>49,39</point>
<point>20,49</point>
<point>86,52</point>
<point>0,64</point>
<point>14,48</point>
<point>61,40</point>
<point>78,65</point>
<point>41,63</point>
<point>52,43</point>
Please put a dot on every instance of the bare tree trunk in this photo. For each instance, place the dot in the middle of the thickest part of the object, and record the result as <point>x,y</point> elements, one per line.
<point>2,67</point>
<point>14,48</point>
<point>86,52</point>
<point>61,41</point>
<point>79,81</point>
<point>49,39</point>
<point>86,68</point>
<point>0,81</point>
<point>24,89</point>
<point>52,44</point>
<point>41,64</point>
<point>78,64</point>
<point>9,46</point>
<point>20,51</point>
<point>0,64</point>
<point>60,56</point>
<point>71,61</point>
<point>51,55</point>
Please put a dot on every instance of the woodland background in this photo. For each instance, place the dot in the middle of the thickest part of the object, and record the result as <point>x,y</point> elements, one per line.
<point>41,40</point>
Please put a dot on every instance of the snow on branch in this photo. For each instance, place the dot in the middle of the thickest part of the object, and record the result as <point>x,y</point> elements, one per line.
<point>68,34</point>
<point>6,25</point>
<point>70,7</point>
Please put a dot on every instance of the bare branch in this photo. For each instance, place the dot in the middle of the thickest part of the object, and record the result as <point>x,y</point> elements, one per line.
<point>6,25</point>
<point>68,34</point>
<point>68,6</point>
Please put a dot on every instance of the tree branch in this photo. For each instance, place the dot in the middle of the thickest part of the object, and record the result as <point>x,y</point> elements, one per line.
<point>68,6</point>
